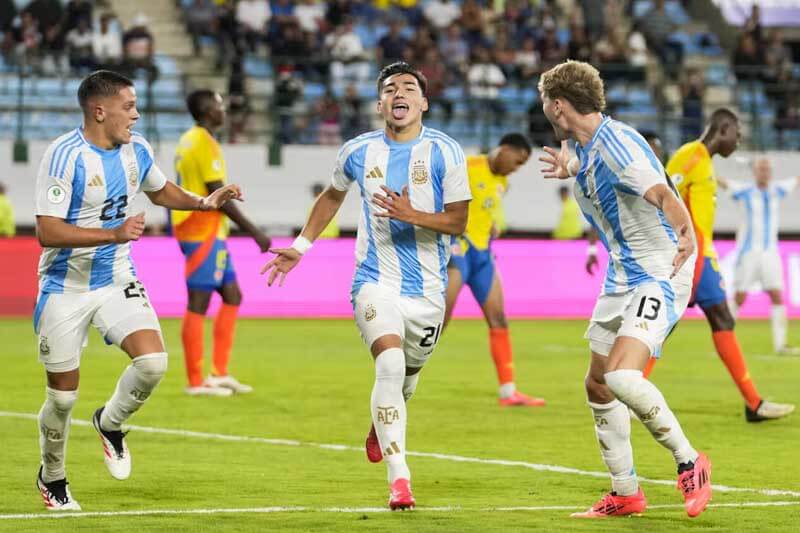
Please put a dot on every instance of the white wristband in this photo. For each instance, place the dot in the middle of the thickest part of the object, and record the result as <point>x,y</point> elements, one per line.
<point>591,249</point>
<point>301,244</point>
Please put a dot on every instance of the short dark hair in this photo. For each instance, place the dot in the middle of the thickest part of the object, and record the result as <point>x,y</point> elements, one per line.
<point>719,117</point>
<point>198,102</point>
<point>102,83</point>
<point>516,140</point>
<point>401,67</point>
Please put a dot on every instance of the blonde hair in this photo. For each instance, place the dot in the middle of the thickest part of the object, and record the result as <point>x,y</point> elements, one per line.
<point>576,82</point>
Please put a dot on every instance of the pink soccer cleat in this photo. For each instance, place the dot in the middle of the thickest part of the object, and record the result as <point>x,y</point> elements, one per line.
<point>615,505</point>
<point>521,400</point>
<point>695,484</point>
<point>400,496</point>
<point>373,447</point>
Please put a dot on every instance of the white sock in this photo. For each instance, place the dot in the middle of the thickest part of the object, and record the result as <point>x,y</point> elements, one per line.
<point>389,411</point>
<point>612,424</point>
<point>778,317</point>
<point>630,387</point>
<point>54,420</point>
<point>410,385</point>
<point>507,390</point>
<point>133,388</point>
<point>734,307</point>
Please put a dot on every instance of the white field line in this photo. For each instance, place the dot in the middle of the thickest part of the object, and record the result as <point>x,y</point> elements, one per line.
<point>348,510</point>
<point>444,457</point>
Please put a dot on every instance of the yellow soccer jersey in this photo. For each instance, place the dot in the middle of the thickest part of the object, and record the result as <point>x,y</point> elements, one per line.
<point>486,207</point>
<point>198,160</point>
<point>692,172</point>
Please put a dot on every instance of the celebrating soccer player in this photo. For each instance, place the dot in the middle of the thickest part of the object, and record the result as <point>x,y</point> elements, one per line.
<point>87,182</point>
<point>414,191</point>
<point>692,172</point>
<point>472,261</point>
<point>622,190</point>
<point>757,257</point>
<point>200,168</point>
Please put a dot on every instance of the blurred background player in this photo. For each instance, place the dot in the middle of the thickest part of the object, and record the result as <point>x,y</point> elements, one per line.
<point>570,221</point>
<point>414,192</point>
<point>692,171</point>
<point>624,193</point>
<point>200,168</point>
<point>757,256</point>
<point>87,182</point>
<point>472,261</point>
<point>8,227</point>
<point>331,231</point>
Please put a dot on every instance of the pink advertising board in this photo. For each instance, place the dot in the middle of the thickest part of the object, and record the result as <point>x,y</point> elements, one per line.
<point>542,279</point>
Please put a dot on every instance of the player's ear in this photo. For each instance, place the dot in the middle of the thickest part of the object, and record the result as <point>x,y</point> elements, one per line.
<point>379,106</point>
<point>424,104</point>
<point>98,112</point>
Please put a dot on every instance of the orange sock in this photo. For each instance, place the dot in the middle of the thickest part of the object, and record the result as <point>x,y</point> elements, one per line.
<point>648,368</point>
<point>192,336</point>
<point>224,328</point>
<point>731,355</point>
<point>500,346</point>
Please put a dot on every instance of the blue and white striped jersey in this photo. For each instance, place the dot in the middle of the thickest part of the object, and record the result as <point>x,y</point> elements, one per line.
<point>91,188</point>
<point>617,168</point>
<point>407,259</point>
<point>758,230</point>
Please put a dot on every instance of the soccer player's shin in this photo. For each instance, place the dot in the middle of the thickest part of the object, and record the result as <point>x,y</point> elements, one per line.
<point>632,389</point>
<point>54,421</point>
<point>500,346</point>
<point>612,424</point>
<point>133,388</point>
<point>389,411</point>
<point>410,386</point>
<point>778,317</point>
<point>192,336</point>
<point>731,354</point>
<point>224,329</point>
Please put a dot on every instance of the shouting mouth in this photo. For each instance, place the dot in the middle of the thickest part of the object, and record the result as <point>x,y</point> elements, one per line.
<point>400,110</point>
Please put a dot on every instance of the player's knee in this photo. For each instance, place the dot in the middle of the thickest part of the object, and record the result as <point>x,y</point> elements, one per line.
<point>497,320</point>
<point>151,367</point>
<point>390,364</point>
<point>62,400</point>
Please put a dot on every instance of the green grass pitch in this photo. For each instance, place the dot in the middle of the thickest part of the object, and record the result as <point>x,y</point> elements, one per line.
<point>313,381</point>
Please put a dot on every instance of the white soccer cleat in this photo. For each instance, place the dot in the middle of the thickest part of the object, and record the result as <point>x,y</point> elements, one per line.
<point>56,494</point>
<point>115,449</point>
<point>768,411</point>
<point>228,382</point>
<point>204,390</point>
<point>788,350</point>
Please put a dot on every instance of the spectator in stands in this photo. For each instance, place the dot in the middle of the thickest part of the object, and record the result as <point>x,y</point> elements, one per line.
<point>227,33</point>
<point>657,28</point>
<point>79,47</point>
<point>338,11</point>
<point>474,23</point>
<point>504,54</point>
<point>550,50</point>
<point>748,61</point>
<point>107,43</point>
<point>485,79</point>
<point>328,111</point>
<point>422,41</point>
<point>637,47</point>
<point>8,12</point>
<point>787,118</point>
<point>390,46</point>
<point>693,91</point>
<point>527,60</point>
<point>753,24</point>
<point>579,46</point>
<point>594,15</point>
<point>309,15</point>
<point>238,100</point>
<point>453,49</point>
<point>540,132</point>
<point>288,91</point>
<point>138,48</point>
<point>252,17</point>
<point>437,74</point>
<point>348,57</point>
<point>47,13</point>
<point>30,38</point>
<point>354,118</point>
<point>8,226</point>
<point>441,13</point>
<point>611,55</point>
<point>200,18</point>
<point>777,64</point>
<point>74,12</point>
<point>290,45</point>
<point>514,19</point>
<point>570,220</point>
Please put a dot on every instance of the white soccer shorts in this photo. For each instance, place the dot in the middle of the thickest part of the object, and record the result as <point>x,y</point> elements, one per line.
<point>416,319</point>
<point>64,319</point>
<point>647,312</point>
<point>762,267</point>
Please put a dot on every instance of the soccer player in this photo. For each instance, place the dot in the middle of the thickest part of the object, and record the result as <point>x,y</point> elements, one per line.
<point>472,261</point>
<point>414,192</point>
<point>200,168</point>
<point>757,257</point>
<point>87,182</point>
<point>692,171</point>
<point>623,192</point>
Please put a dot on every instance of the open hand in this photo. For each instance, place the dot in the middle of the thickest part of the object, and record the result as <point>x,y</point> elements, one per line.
<point>557,162</point>
<point>286,259</point>
<point>397,206</point>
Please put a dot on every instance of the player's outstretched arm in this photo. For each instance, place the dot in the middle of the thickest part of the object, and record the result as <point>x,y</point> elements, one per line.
<point>678,217</point>
<point>452,221</point>
<point>325,208</point>
<point>173,197</point>
<point>233,212</point>
<point>54,232</point>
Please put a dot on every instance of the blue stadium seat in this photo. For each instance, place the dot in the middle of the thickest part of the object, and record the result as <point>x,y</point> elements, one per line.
<point>718,74</point>
<point>166,65</point>
<point>313,91</point>
<point>616,94</point>
<point>639,96</point>
<point>257,66</point>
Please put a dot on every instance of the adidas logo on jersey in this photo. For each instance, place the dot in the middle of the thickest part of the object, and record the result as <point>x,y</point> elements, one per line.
<point>375,173</point>
<point>96,181</point>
